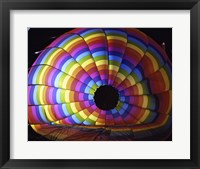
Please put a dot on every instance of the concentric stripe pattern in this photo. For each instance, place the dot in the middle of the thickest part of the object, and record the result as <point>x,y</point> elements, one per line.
<point>63,79</point>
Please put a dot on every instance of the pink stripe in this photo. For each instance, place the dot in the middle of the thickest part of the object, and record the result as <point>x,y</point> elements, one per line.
<point>34,114</point>
<point>83,77</point>
<point>62,56</point>
<point>50,94</point>
<point>81,96</point>
<point>76,50</point>
<point>29,90</point>
<point>78,86</point>
<point>57,111</point>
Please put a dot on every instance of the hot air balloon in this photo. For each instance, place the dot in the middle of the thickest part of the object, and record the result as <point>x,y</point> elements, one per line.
<point>101,84</point>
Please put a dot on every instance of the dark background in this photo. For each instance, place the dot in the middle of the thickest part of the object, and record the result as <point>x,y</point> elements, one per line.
<point>39,38</point>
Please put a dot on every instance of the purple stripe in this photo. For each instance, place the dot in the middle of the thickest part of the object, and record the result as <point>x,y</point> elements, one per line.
<point>29,95</point>
<point>59,40</point>
<point>95,75</point>
<point>120,50</point>
<point>97,45</point>
<point>83,77</point>
<point>86,103</point>
<point>94,107</point>
<point>41,56</point>
<point>81,96</point>
<point>74,52</point>
<point>50,94</point>
<point>31,90</point>
<point>35,115</point>
<point>58,112</point>
<point>49,78</point>
<point>78,86</point>
<point>31,74</point>
<point>62,57</point>
<point>70,120</point>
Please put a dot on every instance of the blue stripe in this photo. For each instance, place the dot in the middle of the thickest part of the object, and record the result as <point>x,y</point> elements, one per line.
<point>115,58</point>
<point>66,40</point>
<point>138,42</point>
<point>137,72</point>
<point>157,54</point>
<point>65,111</point>
<point>100,49</point>
<point>42,55</point>
<point>52,50</point>
<point>90,31</point>
<point>31,75</point>
<point>54,77</point>
<point>57,79</point>
<point>31,96</point>
<point>58,93</point>
<point>80,52</point>
<point>35,95</point>
<point>115,31</point>
<point>61,111</point>
<point>99,53</point>
<point>66,58</point>
<point>38,114</point>
<point>54,95</point>
<point>36,74</point>
<point>82,55</point>
<point>66,64</point>
<point>42,114</point>
<point>76,119</point>
<point>126,68</point>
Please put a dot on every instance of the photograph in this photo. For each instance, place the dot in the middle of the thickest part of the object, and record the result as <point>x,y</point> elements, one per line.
<point>99,84</point>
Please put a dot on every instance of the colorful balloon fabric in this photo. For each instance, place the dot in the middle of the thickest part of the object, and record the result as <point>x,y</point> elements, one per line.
<point>75,80</point>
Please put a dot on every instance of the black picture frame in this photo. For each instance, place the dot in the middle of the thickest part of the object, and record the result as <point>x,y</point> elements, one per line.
<point>7,5</point>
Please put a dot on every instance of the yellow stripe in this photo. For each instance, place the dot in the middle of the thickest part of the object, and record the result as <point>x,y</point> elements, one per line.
<point>155,126</point>
<point>73,107</point>
<point>131,80</point>
<point>83,115</point>
<point>57,122</point>
<point>140,89</point>
<point>51,57</point>
<point>48,113</point>
<point>113,67</point>
<point>74,67</point>
<point>94,36</point>
<point>87,62</point>
<point>118,38</point>
<point>42,94</point>
<point>92,117</point>
<point>101,62</point>
<point>34,127</point>
<point>145,115</point>
<point>135,48</point>
<point>154,61</point>
<point>165,78</point>
<point>98,123</point>
<point>170,102</point>
<point>138,122</point>
<point>121,76</point>
<point>145,101</point>
<point>64,82</point>
<point>69,44</point>
<point>67,96</point>
<point>41,77</point>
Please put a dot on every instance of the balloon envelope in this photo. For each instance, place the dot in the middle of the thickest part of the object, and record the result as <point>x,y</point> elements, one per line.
<point>65,77</point>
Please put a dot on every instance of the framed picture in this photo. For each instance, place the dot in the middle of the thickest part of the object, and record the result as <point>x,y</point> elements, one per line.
<point>100,84</point>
